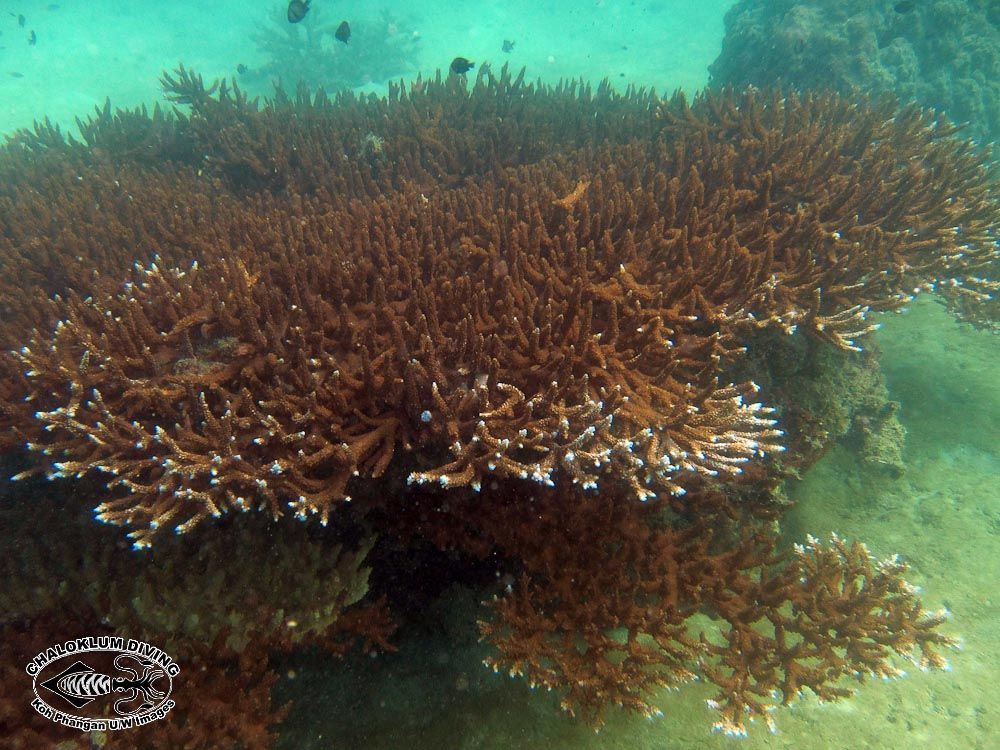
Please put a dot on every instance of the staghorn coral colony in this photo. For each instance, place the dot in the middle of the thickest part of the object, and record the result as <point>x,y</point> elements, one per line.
<point>528,325</point>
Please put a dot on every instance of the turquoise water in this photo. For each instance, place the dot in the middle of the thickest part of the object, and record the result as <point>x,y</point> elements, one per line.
<point>942,514</point>
<point>87,51</point>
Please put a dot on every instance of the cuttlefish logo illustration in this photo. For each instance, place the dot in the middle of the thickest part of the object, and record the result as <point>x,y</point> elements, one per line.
<point>103,684</point>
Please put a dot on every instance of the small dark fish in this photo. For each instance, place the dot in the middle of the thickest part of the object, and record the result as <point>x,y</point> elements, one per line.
<point>15,74</point>
<point>508,46</point>
<point>20,19</point>
<point>461,66</point>
<point>343,32</point>
<point>241,69</point>
<point>904,7</point>
<point>297,10</point>
<point>32,38</point>
<point>52,6</point>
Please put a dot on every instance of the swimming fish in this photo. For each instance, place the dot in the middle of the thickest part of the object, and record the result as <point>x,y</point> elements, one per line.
<point>297,10</point>
<point>343,32</point>
<point>32,38</point>
<point>904,7</point>
<point>241,69</point>
<point>20,19</point>
<point>508,45</point>
<point>461,66</point>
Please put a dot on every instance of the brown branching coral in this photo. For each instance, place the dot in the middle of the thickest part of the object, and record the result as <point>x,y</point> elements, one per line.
<point>857,208</point>
<point>521,287</point>
<point>520,353</point>
<point>833,611</point>
<point>604,594</point>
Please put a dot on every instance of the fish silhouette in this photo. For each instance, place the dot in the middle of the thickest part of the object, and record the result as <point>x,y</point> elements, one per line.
<point>461,66</point>
<point>297,10</point>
